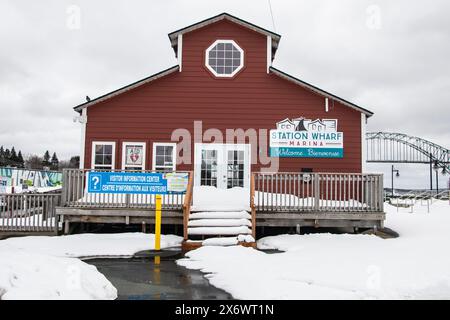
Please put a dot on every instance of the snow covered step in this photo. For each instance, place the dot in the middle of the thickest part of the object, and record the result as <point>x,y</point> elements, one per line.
<point>219,230</point>
<point>223,208</point>
<point>225,241</point>
<point>220,215</point>
<point>245,238</point>
<point>228,241</point>
<point>219,223</point>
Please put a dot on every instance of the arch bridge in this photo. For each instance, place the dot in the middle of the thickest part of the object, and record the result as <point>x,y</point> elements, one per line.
<point>393,147</point>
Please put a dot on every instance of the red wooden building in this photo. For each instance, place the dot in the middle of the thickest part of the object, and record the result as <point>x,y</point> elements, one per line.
<point>225,112</point>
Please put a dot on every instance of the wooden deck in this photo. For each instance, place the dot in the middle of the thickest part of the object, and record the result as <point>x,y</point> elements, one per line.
<point>28,214</point>
<point>276,200</point>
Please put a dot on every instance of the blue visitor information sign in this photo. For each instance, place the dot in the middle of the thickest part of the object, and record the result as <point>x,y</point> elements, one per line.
<point>127,182</point>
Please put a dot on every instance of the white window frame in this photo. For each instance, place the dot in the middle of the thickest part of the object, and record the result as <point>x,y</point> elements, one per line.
<point>113,160</point>
<point>124,155</point>
<point>165,144</point>
<point>241,65</point>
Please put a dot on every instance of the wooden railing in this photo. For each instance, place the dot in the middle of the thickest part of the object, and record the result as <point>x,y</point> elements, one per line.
<point>318,192</point>
<point>29,212</point>
<point>187,205</point>
<point>75,195</point>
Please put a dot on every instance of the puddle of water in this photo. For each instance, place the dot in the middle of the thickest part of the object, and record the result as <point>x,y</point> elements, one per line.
<point>139,278</point>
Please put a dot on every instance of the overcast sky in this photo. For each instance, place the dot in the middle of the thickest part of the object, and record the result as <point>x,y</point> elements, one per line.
<point>391,57</point>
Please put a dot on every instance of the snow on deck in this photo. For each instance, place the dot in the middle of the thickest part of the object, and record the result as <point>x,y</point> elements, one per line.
<point>35,220</point>
<point>339,266</point>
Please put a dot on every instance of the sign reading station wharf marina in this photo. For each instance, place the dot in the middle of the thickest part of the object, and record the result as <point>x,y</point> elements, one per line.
<point>137,182</point>
<point>306,138</point>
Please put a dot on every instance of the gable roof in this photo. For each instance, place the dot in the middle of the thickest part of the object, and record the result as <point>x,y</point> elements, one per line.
<point>317,90</point>
<point>173,36</point>
<point>126,88</point>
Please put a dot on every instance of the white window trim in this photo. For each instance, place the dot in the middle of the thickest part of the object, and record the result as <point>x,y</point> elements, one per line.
<point>124,148</point>
<point>174,153</point>
<point>212,69</point>
<point>94,144</point>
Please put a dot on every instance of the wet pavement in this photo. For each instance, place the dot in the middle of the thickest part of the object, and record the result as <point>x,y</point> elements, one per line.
<point>139,278</point>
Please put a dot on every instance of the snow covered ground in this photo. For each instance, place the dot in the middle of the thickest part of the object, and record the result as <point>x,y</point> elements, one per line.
<point>329,266</point>
<point>48,267</point>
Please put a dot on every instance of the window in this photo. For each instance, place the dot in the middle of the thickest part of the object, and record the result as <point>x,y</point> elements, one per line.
<point>235,168</point>
<point>209,168</point>
<point>164,156</point>
<point>133,156</point>
<point>103,155</point>
<point>224,58</point>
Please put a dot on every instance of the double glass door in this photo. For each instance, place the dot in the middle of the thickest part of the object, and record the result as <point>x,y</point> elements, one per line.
<point>222,165</point>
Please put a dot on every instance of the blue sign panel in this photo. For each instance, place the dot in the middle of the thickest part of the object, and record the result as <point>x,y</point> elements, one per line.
<point>287,152</point>
<point>127,182</point>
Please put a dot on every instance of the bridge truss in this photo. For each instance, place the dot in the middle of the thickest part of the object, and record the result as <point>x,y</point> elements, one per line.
<point>392,147</point>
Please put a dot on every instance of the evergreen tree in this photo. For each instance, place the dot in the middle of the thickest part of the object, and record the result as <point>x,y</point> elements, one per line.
<point>75,162</point>
<point>54,162</point>
<point>13,157</point>
<point>2,157</point>
<point>20,161</point>
<point>46,159</point>
<point>7,157</point>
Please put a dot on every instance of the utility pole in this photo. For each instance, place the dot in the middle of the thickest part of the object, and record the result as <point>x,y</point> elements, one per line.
<point>392,178</point>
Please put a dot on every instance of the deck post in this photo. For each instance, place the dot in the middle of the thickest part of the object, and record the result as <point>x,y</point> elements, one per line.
<point>187,205</point>
<point>252,204</point>
<point>316,192</point>
<point>66,227</point>
<point>64,188</point>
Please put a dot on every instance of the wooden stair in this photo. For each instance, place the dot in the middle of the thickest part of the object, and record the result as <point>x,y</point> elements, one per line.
<point>217,228</point>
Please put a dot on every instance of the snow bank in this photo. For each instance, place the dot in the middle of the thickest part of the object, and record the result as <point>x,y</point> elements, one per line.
<point>46,267</point>
<point>90,245</point>
<point>339,266</point>
<point>26,275</point>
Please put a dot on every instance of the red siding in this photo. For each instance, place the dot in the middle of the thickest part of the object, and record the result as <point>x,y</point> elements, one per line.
<point>252,99</point>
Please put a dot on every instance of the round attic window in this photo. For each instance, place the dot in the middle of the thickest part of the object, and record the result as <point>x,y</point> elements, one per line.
<point>224,58</point>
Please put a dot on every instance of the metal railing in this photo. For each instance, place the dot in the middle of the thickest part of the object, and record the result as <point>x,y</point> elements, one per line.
<point>75,195</point>
<point>318,192</point>
<point>426,199</point>
<point>29,212</point>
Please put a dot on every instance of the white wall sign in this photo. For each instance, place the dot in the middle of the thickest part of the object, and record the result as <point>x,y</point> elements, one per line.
<point>306,138</point>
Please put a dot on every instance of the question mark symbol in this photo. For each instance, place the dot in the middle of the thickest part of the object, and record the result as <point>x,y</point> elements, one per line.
<point>96,181</point>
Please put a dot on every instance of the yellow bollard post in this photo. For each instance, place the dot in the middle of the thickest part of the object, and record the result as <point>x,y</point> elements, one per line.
<point>158,223</point>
